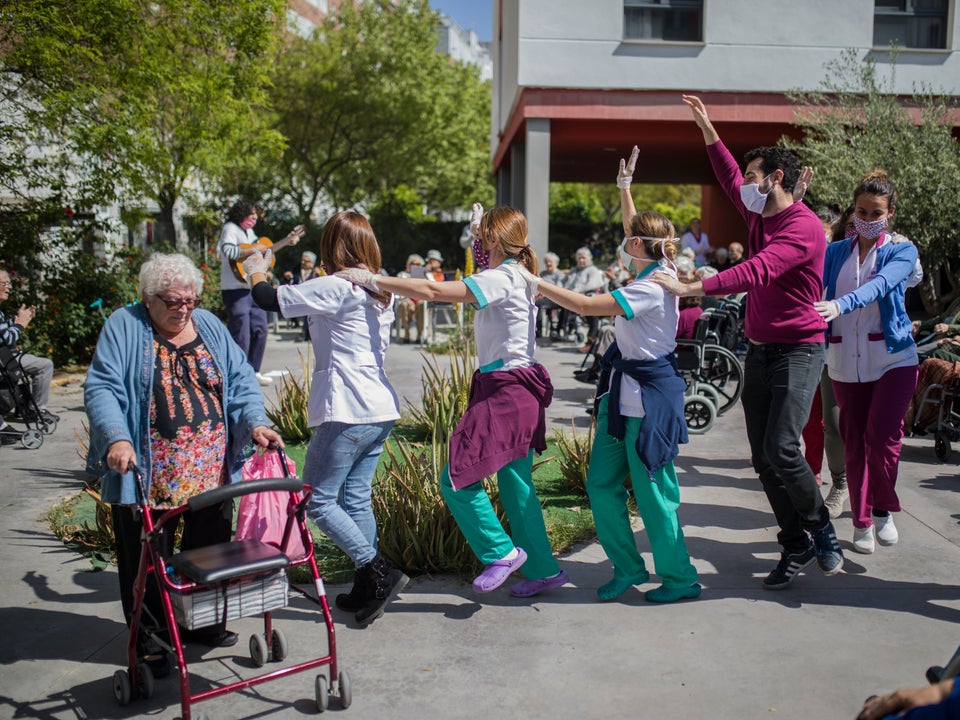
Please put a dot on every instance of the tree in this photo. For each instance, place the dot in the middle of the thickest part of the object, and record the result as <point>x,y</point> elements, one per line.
<point>366,105</point>
<point>856,123</point>
<point>130,98</point>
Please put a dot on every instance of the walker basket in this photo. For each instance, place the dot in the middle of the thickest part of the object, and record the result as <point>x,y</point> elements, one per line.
<point>243,597</point>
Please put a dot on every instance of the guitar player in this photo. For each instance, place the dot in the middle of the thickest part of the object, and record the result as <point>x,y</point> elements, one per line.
<point>246,322</point>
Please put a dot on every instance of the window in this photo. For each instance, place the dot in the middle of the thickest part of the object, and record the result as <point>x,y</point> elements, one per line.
<point>668,20</point>
<point>911,23</point>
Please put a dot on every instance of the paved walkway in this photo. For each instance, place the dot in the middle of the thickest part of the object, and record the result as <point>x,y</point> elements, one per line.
<point>815,650</point>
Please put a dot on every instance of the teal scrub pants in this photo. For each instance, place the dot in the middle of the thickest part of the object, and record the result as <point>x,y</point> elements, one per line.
<point>473,511</point>
<point>657,500</point>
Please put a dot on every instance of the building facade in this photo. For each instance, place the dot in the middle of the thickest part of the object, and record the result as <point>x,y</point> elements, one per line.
<point>576,84</point>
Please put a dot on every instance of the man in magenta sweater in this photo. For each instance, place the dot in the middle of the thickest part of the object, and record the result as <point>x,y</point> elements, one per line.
<point>783,275</point>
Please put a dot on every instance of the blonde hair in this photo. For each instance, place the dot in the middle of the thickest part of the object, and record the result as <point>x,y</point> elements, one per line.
<point>654,225</point>
<point>507,228</point>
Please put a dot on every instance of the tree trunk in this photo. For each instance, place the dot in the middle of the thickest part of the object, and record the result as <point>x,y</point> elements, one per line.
<point>167,229</point>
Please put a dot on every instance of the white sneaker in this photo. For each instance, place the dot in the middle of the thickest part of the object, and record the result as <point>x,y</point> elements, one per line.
<point>263,379</point>
<point>863,540</point>
<point>886,531</point>
<point>835,500</point>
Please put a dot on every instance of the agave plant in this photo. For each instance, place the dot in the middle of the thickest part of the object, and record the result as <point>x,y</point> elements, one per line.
<point>289,412</point>
<point>574,458</point>
<point>445,396</point>
<point>414,526</point>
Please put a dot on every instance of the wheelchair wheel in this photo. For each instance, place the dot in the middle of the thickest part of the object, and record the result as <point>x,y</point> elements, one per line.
<point>31,439</point>
<point>722,369</point>
<point>699,413</point>
<point>942,448</point>
<point>709,392</point>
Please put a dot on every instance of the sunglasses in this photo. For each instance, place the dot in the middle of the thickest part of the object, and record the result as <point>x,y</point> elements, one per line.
<point>189,303</point>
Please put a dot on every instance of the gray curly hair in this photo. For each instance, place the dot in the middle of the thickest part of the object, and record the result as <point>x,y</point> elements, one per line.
<point>163,271</point>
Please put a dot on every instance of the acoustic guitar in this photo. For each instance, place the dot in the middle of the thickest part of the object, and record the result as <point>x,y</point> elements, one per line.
<point>292,239</point>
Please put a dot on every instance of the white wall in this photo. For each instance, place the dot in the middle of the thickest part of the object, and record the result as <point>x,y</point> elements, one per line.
<point>749,46</point>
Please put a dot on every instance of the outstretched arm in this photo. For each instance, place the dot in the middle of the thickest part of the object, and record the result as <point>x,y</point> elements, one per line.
<point>699,111</point>
<point>451,291</point>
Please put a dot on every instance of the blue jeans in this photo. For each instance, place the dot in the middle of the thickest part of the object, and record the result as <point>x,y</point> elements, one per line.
<point>778,385</point>
<point>340,465</point>
<point>247,324</point>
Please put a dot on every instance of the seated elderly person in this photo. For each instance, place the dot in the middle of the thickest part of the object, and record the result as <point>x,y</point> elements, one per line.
<point>38,370</point>
<point>548,315</point>
<point>170,391</point>
<point>585,278</point>
<point>710,301</point>
<point>410,310</point>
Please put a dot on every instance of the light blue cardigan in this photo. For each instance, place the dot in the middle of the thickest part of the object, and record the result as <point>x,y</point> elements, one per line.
<point>119,384</point>
<point>895,262</point>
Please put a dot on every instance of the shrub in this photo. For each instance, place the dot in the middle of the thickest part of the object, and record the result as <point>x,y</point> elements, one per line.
<point>445,397</point>
<point>289,413</point>
<point>575,458</point>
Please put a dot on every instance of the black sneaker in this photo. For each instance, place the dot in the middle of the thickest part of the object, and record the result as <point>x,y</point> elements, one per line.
<point>788,568</point>
<point>829,553</point>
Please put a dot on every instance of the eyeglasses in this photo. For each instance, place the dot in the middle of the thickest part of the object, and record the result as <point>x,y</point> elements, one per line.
<point>188,303</point>
<point>6,283</point>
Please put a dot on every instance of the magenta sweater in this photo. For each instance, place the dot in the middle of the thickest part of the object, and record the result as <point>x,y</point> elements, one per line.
<point>784,275</point>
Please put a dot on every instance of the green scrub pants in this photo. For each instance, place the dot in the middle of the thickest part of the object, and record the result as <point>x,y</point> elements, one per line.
<point>474,513</point>
<point>657,500</point>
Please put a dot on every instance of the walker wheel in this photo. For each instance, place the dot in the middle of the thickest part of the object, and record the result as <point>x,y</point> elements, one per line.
<point>346,693</point>
<point>122,692</point>
<point>48,427</point>
<point>942,448</point>
<point>323,693</point>
<point>31,439</point>
<point>279,643</point>
<point>258,650</point>
<point>144,681</point>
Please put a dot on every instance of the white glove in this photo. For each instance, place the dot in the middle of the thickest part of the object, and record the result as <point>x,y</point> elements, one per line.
<point>533,282</point>
<point>257,263</point>
<point>475,217</point>
<point>828,309</point>
<point>359,276</point>
<point>625,176</point>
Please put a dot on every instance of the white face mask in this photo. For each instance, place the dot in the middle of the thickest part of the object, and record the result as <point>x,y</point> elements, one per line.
<point>627,259</point>
<point>754,200</point>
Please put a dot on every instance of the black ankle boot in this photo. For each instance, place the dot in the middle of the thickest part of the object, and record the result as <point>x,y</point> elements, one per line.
<point>379,582</point>
<point>353,600</point>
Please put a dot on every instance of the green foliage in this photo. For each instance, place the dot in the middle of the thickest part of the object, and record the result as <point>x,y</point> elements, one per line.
<point>132,98</point>
<point>445,396</point>
<point>856,123</point>
<point>368,106</point>
<point>574,458</point>
<point>415,529</point>
<point>289,413</point>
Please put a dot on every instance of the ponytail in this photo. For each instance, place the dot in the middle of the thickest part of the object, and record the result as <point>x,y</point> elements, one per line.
<point>529,259</point>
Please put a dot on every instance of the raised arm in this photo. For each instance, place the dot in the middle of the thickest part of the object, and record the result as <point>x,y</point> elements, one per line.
<point>699,111</point>
<point>624,179</point>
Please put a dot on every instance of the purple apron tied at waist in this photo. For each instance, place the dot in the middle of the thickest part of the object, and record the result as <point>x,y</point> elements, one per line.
<point>504,421</point>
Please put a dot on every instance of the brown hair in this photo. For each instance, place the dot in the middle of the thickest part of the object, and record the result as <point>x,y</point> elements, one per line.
<point>507,227</point>
<point>877,183</point>
<point>654,225</point>
<point>348,241</point>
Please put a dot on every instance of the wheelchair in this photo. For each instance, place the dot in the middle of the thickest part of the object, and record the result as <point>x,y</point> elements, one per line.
<point>18,405</point>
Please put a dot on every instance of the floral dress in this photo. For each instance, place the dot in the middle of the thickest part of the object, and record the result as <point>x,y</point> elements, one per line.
<point>188,436</point>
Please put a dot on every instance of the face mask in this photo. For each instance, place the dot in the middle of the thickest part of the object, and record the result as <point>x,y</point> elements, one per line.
<point>248,223</point>
<point>480,256</point>
<point>867,229</point>
<point>626,258</point>
<point>754,200</point>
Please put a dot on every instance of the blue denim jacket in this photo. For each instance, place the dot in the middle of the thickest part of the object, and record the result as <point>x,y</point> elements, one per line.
<point>119,384</point>
<point>895,262</point>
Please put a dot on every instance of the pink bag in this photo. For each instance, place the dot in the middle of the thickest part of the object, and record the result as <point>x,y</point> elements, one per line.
<point>263,516</point>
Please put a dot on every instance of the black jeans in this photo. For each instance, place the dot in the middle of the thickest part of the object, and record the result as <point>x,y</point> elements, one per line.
<point>779,383</point>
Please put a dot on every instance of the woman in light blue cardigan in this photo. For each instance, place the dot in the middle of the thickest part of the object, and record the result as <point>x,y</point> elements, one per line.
<point>871,356</point>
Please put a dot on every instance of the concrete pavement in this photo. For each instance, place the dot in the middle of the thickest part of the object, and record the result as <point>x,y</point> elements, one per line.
<point>815,650</point>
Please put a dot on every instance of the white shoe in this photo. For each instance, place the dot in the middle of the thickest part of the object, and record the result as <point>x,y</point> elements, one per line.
<point>863,540</point>
<point>835,500</point>
<point>263,379</point>
<point>886,531</point>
